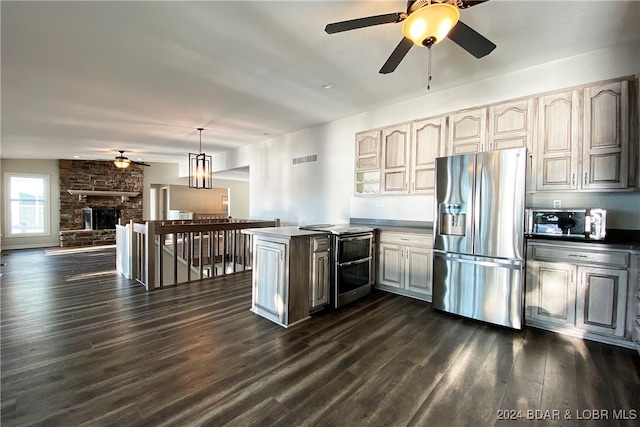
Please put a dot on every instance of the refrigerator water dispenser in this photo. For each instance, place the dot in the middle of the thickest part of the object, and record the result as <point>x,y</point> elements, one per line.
<point>453,217</point>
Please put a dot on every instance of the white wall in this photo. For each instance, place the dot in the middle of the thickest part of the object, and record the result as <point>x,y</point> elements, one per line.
<point>323,191</point>
<point>166,174</point>
<point>47,167</point>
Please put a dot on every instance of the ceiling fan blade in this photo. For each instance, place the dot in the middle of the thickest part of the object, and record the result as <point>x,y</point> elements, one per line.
<point>396,56</point>
<point>369,21</point>
<point>470,40</point>
<point>141,163</point>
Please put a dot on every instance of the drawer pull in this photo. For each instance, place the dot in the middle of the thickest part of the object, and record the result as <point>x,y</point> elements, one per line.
<point>577,256</point>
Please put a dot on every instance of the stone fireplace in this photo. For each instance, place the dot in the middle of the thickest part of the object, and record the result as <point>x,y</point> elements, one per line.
<point>102,194</point>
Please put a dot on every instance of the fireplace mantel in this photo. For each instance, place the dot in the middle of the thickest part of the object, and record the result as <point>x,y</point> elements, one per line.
<point>82,194</point>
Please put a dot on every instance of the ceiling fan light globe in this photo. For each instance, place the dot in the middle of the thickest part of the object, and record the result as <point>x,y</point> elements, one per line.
<point>121,162</point>
<point>432,21</point>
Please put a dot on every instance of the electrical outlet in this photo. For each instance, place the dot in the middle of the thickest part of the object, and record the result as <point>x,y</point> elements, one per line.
<point>380,203</point>
<point>557,204</point>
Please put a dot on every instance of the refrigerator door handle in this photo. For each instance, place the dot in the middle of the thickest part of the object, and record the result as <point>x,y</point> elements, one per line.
<point>466,259</point>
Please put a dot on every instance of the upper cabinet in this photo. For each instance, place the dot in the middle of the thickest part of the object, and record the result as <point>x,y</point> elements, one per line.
<point>605,159</point>
<point>428,141</point>
<point>511,124</point>
<point>579,139</point>
<point>467,132</point>
<point>584,139</point>
<point>367,162</point>
<point>395,159</point>
<point>558,141</point>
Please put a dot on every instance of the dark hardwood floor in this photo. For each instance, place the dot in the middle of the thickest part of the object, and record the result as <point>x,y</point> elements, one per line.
<point>82,345</point>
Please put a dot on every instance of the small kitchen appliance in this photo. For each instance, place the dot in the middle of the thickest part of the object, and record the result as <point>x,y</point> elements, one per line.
<point>567,223</point>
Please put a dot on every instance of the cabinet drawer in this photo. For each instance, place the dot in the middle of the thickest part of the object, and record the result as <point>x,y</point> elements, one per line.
<point>615,259</point>
<point>320,244</point>
<point>407,239</point>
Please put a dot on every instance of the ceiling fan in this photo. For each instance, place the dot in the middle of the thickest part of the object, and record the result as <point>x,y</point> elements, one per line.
<point>123,162</point>
<point>426,22</point>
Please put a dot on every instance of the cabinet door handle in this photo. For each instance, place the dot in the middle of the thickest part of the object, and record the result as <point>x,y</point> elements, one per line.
<point>573,178</point>
<point>413,186</point>
<point>577,256</point>
<point>586,174</point>
<point>572,276</point>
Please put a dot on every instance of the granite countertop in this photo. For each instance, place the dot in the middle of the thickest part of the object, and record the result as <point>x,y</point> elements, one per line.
<point>284,232</point>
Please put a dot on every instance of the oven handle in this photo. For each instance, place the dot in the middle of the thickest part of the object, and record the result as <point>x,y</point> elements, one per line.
<point>360,261</point>
<point>357,237</point>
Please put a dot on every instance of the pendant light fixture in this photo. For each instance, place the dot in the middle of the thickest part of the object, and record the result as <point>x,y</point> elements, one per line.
<point>200,168</point>
<point>121,161</point>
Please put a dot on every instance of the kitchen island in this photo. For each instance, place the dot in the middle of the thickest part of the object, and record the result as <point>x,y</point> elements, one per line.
<point>290,277</point>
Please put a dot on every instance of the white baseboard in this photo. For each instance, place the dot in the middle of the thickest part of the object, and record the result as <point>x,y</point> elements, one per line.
<point>31,246</point>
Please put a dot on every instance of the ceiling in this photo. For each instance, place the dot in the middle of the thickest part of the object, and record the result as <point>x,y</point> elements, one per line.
<point>89,78</point>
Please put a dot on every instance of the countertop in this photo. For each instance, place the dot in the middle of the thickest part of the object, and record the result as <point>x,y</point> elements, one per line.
<point>624,241</point>
<point>413,227</point>
<point>283,232</point>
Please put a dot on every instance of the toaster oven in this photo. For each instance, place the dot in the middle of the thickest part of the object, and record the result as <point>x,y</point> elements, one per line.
<point>575,223</point>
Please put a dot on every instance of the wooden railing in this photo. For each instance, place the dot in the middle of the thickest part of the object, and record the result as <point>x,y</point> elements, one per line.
<point>168,252</point>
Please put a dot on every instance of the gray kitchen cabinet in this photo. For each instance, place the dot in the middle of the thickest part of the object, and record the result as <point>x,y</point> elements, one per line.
<point>367,179</point>
<point>558,141</point>
<point>269,296</point>
<point>467,132</point>
<point>606,129</point>
<point>290,277</point>
<point>551,292</point>
<point>584,141</point>
<point>601,300</point>
<point>404,264</point>
<point>428,139</point>
<point>319,283</point>
<point>580,289</point>
<point>395,159</point>
<point>512,125</point>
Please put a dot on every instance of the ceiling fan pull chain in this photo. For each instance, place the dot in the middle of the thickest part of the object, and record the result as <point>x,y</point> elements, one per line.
<point>429,68</point>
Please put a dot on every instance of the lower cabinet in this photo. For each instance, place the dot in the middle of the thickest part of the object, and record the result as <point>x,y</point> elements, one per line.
<point>319,283</point>
<point>290,277</point>
<point>580,289</point>
<point>404,264</point>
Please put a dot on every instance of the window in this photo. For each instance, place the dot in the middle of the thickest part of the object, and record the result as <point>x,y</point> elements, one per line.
<point>28,205</point>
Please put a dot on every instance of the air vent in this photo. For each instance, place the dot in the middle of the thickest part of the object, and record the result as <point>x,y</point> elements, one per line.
<point>305,159</point>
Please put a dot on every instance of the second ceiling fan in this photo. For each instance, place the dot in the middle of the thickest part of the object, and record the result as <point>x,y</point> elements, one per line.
<point>426,22</point>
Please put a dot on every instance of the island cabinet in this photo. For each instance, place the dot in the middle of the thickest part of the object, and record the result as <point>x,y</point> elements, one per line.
<point>290,273</point>
<point>320,273</point>
<point>581,289</point>
<point>404,263</point>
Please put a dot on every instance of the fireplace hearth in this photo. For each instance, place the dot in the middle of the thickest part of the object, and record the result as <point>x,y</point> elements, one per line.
<point>100,218</point>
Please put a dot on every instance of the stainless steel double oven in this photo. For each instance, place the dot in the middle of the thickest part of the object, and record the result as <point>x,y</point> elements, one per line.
<point>351,261</point>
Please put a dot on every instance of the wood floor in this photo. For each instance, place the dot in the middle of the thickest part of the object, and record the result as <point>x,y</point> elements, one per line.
<point>81,345</point>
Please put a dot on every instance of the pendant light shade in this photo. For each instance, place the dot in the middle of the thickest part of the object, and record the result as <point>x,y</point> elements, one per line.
<point>430,24</point>
<point>200,168</point>
<point>121,161</point>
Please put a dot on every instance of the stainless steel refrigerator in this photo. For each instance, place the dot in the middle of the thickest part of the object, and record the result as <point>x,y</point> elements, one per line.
<point>478,257</point>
